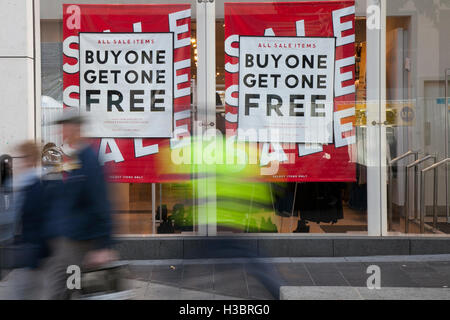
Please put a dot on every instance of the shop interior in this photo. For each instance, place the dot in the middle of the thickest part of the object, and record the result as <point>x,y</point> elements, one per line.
<point>346,212</point>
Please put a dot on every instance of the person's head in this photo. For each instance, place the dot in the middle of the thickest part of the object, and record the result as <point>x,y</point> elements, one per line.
<point>29,152</point>
<point>71,124</point>
<point>72,132</point>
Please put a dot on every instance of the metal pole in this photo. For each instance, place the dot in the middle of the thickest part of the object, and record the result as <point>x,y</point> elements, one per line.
<point>407,194</point>
<point>293,205</point>
<point>446,104</point>
<point>417,212</point>
<point>390,176</point>
<point>154,209</point>
<point>435,200</point>
<point>416,196</point>
<point>391,181</point>
<point>422,201</point>
<point>407,199</point>
<point>160,198</point>
<point>422,214</point>
<point>415,165</point>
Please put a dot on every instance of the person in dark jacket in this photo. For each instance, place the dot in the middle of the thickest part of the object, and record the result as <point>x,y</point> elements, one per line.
<point>29,207</point>
<point>79,224</point>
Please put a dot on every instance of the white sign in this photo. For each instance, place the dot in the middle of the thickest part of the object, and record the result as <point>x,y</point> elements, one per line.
<point>126,84</point>
<point>286,89</point>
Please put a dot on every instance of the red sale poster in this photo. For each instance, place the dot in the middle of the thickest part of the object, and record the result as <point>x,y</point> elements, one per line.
<point>122,60</point>
<point>291,67</point>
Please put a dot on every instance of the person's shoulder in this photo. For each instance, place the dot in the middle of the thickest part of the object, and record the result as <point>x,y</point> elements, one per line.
<point>88,153</point>
<point>89,160</point>
<point>28,178</point>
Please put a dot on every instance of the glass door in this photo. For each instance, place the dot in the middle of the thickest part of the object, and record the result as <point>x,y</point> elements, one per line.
<point>284,103</point>
<point>294,93</point>
<point>417,98</point>
<point>134,62</point>
<point>447,102</point>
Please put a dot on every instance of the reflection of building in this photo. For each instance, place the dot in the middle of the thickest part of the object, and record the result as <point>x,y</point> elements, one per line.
<point>415,58</point>
<point>51,111</point>
<point>398,113</point>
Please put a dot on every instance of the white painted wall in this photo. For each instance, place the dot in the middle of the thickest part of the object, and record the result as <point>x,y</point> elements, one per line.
<point>17,74</point>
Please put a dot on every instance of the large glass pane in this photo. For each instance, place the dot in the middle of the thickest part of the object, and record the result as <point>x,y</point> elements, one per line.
<point>313,173</point>
<point>147,198</point>
<point>417,56</point>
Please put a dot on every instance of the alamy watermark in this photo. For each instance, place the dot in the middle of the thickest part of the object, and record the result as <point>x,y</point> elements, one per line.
<point>373,21</point>
<point>74,279</point>
<point>374,280</point>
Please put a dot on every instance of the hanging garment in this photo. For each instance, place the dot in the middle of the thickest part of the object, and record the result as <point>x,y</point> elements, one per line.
<point>166,227</point>
<point>164,213</point>
<point>320,202</point>
<point>302,227</point>
<point>358,197</point>
<point>283,197</point>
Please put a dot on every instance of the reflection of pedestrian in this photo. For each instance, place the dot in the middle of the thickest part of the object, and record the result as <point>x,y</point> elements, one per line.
<point>80,220</point>
<point>30,247</point>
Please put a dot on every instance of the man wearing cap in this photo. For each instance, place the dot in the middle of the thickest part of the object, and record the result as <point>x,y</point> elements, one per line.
<point>79,223</point>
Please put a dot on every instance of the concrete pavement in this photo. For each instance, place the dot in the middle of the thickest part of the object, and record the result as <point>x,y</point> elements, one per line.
<point>402,277</point>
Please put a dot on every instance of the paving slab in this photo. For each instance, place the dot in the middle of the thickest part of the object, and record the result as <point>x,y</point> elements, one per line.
<point>198,276</point>
<point>230,279</point>
<point>156,291</point>
<point>169,274</point>
<point>139,272</point>
<point>405,293</point>
<point>319,293</point>
<point>212,279</point>
<point>295,274</point>
<point>361,293</point>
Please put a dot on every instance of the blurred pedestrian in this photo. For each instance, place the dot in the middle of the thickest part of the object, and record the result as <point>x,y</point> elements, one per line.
<point>240,196</point>
<point>29,247</point>
<point>79,223</point>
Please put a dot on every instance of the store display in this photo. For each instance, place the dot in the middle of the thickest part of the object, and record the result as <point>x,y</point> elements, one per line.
<point>309,130</point>
<point>320,202</point>
<point>130,77</point>
<point>161,212</point>
<point>302,227</point>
